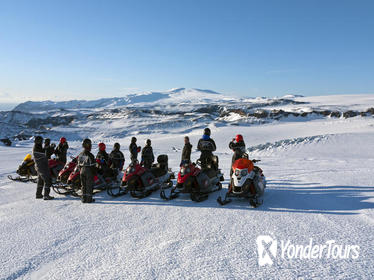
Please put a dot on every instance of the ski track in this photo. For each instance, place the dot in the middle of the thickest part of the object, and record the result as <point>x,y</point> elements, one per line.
<point>320,189</point>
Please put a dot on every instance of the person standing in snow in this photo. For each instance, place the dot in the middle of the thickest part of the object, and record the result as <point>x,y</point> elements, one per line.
<point>41,166</point>
<point>134,150</point>
<point>61,150</point>
<point>87,165</point>
<point>49,148</point>
<point>207,146</point>
<point>147,155</point>
<point>116,158</point>
<point>237,145</point>
<point>186,152</point>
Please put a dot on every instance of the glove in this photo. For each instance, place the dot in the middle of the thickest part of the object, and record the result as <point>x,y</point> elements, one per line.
<point>96,179</point>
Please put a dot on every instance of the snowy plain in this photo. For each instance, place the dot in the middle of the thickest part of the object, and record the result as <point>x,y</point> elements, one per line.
<point>320,185</point>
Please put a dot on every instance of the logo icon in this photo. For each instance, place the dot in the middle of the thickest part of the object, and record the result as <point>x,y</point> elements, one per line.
<point>267,249</point>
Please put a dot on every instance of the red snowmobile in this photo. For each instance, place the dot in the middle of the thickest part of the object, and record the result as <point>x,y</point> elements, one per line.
<point>69,167</point>
<point>55,167</point>
<point>141,182</point>
<point>195,181</point>
<point>61,186</point>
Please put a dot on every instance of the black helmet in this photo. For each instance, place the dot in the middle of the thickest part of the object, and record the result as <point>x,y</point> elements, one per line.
<point>133,140</point>
<point>47,141</point>
<point>207,131</point>
<point>148,142</point>
<point>38,140</point>
<point>87,144</point>
<point>117,146</point>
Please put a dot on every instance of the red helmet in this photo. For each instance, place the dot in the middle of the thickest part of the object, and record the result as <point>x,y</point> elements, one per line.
<point>62,140</point>
<point>239,138</point>
<point>102,147</point>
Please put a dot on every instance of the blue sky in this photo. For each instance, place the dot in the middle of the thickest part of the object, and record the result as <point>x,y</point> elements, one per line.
<point>89,49</point>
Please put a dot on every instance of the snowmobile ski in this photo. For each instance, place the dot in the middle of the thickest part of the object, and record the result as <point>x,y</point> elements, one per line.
<point>23,179</point>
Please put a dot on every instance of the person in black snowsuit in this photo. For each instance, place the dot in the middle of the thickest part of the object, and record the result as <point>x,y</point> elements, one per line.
<point>62,150</point>
<point>49,148</point>
<point>41,166</point>
<point>147,155</point>
<point>134,150</point>
<point>186,152</point>
<point>87,165</point>
<point>238,146</point>
<point>207,146</point>
<point>116,159</point>
<point>102,158</point>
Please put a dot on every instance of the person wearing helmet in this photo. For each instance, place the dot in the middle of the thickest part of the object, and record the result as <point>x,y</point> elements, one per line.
<point>41,166</point>
<point>102,159</point>
<point>147,155</point>
<point>87,165</point>
<point>116,158</point>
<point>186,152</point>
<point>134,150</point>
<point>49,148</point>
<point>207,146</point>
<point>62,150</point>
<point>238,146</point>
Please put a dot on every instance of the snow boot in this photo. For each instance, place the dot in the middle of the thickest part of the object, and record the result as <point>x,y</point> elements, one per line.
<point>46,194</point>
<point>39,194</point>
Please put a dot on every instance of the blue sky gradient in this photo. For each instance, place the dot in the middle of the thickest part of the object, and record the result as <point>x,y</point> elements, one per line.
<point>90,49</point>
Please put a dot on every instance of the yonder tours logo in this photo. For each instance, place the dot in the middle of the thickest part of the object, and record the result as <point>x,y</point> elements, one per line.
<point>267,249</point>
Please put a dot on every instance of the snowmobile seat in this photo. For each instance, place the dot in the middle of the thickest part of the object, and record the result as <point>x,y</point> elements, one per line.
<point>162,161</point>
<point>211,173</point>
<point>157,171</point>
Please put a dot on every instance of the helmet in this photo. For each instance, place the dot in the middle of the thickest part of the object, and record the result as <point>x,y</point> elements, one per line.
<point>27,157</point>
<point>102,146</point>
<point>238,138</point>
<point>207,131</point>
<point>38,140</point>
<point>87,144</point>
<point>148,142</point>
<point>47,141</point>
<point>133,139</point>
<point>117,146</point>
<point>62,140</point>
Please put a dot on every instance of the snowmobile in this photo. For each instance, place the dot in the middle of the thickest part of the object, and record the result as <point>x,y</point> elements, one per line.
<point>247,181</point>
<point>55,167</point>
<point>195,181</point>
<point>141,182</point>
<point>26,171</point>
<point>61,186</point>
<point>73,185</point>
<point>69,167</point>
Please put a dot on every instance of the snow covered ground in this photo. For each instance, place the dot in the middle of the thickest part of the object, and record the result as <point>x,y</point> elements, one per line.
<point>320,186</point>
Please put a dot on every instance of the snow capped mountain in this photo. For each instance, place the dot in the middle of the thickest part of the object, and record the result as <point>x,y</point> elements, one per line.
<point>170,97</point>
<point>174,111</point>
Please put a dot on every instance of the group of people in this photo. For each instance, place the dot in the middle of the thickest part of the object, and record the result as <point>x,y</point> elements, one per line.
<point>109,165</point>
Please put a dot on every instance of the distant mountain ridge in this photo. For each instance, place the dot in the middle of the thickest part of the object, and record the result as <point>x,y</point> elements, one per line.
<point>173,96</point>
